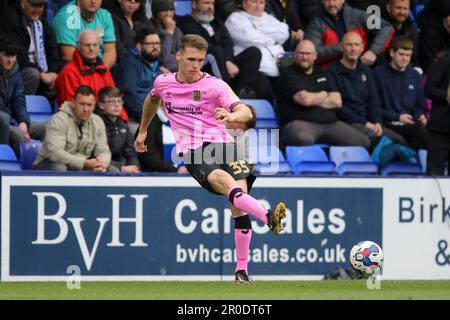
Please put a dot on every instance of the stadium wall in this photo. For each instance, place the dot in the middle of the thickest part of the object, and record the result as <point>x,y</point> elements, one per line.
<point>166,227</point>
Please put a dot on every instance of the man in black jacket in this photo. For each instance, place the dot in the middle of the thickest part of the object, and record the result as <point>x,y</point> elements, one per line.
<point>39,60</point>
<point>123,155</point>
<point>288,11</point>
<point>308,10</point>
<point>438,90</point>
<point>434,37</point>
<point>240,71</point>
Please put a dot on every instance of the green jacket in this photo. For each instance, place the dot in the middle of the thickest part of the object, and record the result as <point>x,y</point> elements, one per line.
<point>66,143</point>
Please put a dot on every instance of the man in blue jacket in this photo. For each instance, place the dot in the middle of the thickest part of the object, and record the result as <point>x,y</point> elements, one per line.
<point>137,71</point>
<point>15,126</point>
<point>361,103</point>
<point>402,98</point>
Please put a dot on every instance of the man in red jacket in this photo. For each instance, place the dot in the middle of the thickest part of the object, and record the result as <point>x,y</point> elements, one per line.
<point>327,30</point>
<point>86,68</point>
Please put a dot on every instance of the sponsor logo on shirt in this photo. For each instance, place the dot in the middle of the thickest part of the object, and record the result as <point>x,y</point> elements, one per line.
<point>185,110</point>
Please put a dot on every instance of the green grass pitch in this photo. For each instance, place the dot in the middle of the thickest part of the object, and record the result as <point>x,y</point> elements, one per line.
<point>260,290</point>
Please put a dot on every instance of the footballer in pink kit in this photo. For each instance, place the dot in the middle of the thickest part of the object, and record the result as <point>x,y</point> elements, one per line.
<point>199,106</point>
<point>190,108</point>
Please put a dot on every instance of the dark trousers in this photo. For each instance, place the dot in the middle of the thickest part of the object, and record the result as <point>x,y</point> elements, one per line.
<point>306,133</point>
<point>374,139</point>
<point>438,155</point>
<point>32,85</point>
<point>154,161</point>
<point>415,135</point>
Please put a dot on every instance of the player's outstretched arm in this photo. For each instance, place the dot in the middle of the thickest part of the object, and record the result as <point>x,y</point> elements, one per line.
<point>150,107</point>
<point>240,113</point>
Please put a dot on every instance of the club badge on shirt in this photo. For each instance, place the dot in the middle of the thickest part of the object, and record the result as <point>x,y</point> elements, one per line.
<point>364,78</point>
<point>196,95</point>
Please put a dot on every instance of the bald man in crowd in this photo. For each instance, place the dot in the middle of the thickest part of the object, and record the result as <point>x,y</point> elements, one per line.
<point>308,102</point>
<point>361,103</point>
<point>86,68</point>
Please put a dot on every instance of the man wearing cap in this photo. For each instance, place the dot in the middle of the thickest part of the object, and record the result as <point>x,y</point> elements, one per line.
<point>164,21</point>
<point>78,15</point>
<point>38,60</point>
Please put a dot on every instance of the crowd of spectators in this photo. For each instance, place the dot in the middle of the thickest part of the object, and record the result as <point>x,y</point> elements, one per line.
<point>355,74</point>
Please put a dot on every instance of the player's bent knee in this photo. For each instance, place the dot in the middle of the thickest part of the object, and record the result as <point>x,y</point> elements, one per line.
<point>221,181</point>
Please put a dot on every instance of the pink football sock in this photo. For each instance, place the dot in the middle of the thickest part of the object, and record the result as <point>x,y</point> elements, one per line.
<point>247,204</point>
<point>242,239</point>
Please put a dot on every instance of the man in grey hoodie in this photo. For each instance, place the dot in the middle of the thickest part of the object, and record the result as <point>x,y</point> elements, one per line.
<point>75,138</point>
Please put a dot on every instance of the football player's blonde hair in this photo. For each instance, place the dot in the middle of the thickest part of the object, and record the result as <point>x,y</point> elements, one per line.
<point>193,41</point>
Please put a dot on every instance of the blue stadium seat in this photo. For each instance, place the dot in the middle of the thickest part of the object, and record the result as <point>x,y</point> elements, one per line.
<point>412,167</point>
<point>8,160</point>
<point>309,159</point>
<point>183,8</point>
<point>269,160</point>
<point>28,152</point>
<point>38,108</point>
<point>265,115</point>
<point>352,160</point>
<point>323,146</point>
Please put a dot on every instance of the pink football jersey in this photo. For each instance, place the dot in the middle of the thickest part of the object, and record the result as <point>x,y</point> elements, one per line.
<point>190,109</point>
